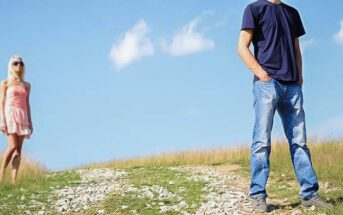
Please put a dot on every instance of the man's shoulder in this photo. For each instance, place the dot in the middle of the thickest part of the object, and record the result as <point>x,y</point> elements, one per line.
<point>291,8</point>
<point>257,4</point>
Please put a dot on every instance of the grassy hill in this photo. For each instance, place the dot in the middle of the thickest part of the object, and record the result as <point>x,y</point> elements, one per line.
<point>161,182</point>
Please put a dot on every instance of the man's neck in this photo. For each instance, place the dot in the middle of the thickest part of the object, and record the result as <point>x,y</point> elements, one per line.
<point>275,1</point>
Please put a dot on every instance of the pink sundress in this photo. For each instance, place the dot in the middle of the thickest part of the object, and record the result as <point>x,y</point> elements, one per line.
<point>16,111</point>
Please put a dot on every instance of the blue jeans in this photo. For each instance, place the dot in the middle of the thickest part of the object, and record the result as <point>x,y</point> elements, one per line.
<point>287,99</point>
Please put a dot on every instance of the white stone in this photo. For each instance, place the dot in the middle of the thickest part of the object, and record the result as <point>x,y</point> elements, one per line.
<point>102,211</point>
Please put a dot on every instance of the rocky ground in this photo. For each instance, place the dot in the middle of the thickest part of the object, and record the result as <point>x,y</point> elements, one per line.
<point>225,192</point>
<point>94,186</point>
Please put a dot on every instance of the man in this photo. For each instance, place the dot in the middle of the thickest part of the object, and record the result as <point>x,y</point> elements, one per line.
<point>274,28</point>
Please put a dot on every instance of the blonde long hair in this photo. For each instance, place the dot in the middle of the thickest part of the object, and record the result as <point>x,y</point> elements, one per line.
<point>11,74</point>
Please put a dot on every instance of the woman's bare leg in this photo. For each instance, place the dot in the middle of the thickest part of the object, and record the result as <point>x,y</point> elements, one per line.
<point>16,157</point>
<point>7,156</point>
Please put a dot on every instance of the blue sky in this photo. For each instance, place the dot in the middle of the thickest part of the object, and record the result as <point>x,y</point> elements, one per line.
<point>117,79</point>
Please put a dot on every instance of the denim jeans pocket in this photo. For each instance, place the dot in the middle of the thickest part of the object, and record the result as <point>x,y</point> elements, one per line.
<point>266,81</point>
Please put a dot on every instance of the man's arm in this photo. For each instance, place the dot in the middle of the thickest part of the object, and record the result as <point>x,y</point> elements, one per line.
<point>248,58</point>
<point>299,61</point>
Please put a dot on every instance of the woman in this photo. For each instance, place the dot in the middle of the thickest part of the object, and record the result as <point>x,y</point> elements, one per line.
<point>16,121</point>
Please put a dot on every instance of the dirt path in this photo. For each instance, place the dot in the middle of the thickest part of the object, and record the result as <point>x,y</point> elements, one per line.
<point>225,192</point>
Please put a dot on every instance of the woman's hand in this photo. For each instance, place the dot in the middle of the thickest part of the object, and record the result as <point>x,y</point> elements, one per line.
<point>3,126</point>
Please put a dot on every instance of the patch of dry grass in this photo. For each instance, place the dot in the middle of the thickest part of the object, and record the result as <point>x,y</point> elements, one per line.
<point>189,157</point>
<point>326,157</point>
<point>29,170</point>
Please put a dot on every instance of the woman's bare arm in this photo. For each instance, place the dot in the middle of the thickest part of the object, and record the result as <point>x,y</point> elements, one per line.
<point>248,58</point>
<point>2,98</point>
<point>28,104</point>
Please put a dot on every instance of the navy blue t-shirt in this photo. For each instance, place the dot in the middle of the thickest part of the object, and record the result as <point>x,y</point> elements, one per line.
<point>275,26</point>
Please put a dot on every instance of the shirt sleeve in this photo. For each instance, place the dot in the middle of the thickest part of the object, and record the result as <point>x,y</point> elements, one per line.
<point>299,28</point>
<point>249,21</point>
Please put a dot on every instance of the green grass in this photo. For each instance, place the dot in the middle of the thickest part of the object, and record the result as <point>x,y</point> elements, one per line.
<point>285,186</point>
<point>38,189</point>
<point>328,165</point>
<point>326,157</point>
<point>191,191</point>
<point>152,170</point>
<point>327,162</point>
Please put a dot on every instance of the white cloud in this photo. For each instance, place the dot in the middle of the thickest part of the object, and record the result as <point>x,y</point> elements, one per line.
<point>219,22</point>
<point>307,43</point>
<point>133,46</point>
<point>339,35</point>
<point>188,41</point>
